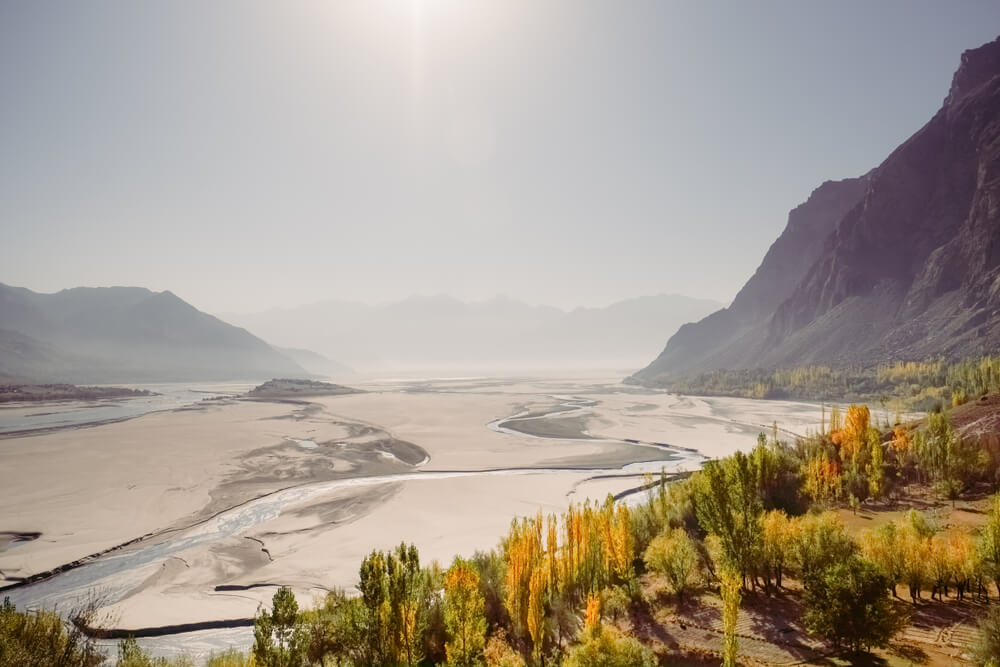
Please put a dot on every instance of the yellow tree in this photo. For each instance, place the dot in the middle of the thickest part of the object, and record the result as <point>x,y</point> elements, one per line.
<point>523,550</point>
<point>884,548</point>
<point>965,564</point>
<point>622,542</point>
<point>855,432</point>
<point>731,585</point>
<point>536,611</point>
<point>823,480</point>
<point>876,467</point>
<point>777,539</point>
<point>552,551</point>
<point>593,616</point>
<point>914,541</point>
<point>464,614</point>
<point>901,440</point>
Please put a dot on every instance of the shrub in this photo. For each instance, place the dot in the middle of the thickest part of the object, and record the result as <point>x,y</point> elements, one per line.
<point>674,556</point>
<point>604,647</point>
<point>42,638</point>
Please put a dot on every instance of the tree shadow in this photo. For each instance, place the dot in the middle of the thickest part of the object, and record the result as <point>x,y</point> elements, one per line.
<point>645,626</point>
<point>778,621</point>
<point>910,652</point>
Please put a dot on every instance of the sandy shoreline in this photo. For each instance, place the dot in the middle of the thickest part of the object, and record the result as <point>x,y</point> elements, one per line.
<point>365,470</point>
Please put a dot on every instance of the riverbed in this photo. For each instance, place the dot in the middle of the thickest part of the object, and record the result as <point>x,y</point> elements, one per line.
<point>220,502</point>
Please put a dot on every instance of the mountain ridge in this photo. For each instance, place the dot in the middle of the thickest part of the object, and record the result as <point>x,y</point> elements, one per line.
<point>908,271</point>
<point>125,334</point>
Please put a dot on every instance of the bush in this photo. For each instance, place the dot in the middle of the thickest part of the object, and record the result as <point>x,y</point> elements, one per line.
<point>42,638</point>
<point>131,655</point>
<point>604,647</point>
<point>673,555</point>
<point>230,658</point>
<point>498,653</point>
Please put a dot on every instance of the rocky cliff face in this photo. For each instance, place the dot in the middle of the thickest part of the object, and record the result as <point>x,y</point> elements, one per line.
<point>903,263</point>
<point>729,337</point>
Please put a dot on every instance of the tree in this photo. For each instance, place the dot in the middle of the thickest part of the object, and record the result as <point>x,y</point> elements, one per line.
<point>846,604</point>
<point>823,479</point>
<point>777,539</point>
<point>730,589</point>
<point>279,638</point>
<point>728,505</point>
<point>536,611</point>
<point>883,547</point>
<point>374,588</point>
<point>673,555</point>
<point>854,436</point>
<point>820,539</point>
<point>986,649</point>
<point>988,545</point>
<point>876,466</point>
<point>949,460</point>
<point>406,611</point>
<point>464,613</point>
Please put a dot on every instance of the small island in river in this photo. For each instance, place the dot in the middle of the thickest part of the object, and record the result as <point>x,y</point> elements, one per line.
<point>288,388</point>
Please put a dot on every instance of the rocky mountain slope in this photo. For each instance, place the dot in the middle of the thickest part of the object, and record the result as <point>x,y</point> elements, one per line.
<point>125,334</point>
<point>903,263</point>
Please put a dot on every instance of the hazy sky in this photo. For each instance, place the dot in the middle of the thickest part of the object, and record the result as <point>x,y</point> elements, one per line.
<point>247,155</point>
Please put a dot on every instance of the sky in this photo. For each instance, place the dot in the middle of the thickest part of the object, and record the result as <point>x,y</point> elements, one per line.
<point>249,155</point>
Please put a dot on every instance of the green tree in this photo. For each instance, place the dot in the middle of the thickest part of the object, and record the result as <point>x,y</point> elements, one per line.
<point>338,629</point>
<point>948,460</point>
<point>876,465</point>
<point>846,604</point>
<point>728,505</point>
<point>374,588</point>
<point>279,637</point>
<point>464,614</point>
<point>988,544</point>
<point>820,539</point>
<point>674,556</point>
<point>406,603</point>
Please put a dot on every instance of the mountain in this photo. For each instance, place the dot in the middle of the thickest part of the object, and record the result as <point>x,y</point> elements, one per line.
<point>316,364</point>
<point>501,333</point>
<point>902,263</point>
<point>125,334</point>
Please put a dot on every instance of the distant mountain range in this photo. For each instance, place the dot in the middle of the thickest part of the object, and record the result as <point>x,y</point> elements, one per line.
<point>125,334</point>
<point>501,333</point>
<point>902,263</point>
